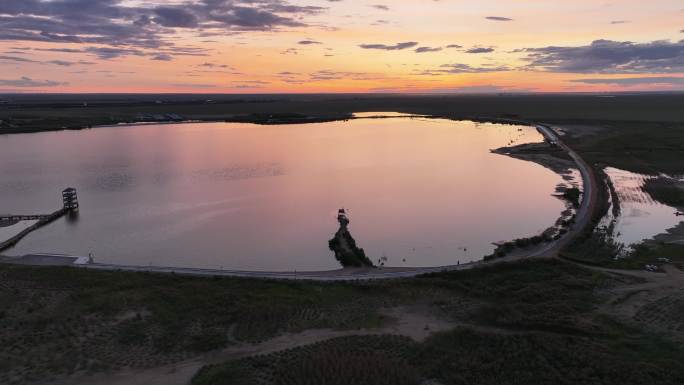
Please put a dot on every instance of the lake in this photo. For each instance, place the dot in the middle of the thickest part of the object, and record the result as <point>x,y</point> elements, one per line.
<point>420,192</point>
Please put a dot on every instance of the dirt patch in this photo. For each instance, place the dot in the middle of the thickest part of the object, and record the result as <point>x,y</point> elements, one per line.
<point>414,322</point>
<point>656,305</point>
<point>543,154</point>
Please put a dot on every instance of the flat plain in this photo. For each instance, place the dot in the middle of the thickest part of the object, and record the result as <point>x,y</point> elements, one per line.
<point>579,317</point>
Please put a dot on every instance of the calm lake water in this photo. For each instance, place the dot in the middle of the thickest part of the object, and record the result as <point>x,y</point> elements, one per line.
<point>641,217</point>
<point>420,192</point>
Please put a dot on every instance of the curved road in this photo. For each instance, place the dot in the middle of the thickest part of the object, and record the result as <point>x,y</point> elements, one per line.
<point>582,219</point>
<point>589,195</point>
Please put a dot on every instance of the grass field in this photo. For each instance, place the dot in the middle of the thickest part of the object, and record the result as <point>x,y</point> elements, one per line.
<point>61,322</point>
<point>641,147</point>
<point>461,356</point>
<point>653,252</point>
<point>26,113</point>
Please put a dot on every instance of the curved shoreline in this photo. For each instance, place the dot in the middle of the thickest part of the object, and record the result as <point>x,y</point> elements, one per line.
<point>248,119</point>
<point>548,250</point>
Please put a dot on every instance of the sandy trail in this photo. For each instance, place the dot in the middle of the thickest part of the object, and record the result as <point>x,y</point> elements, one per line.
<point>413,322</point>
<point>416,322</point>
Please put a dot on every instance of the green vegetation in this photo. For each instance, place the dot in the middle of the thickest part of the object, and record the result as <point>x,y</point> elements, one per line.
<point>58,321</point>
<point>536,324</point>
<point>595,245</point>
<point>666,312</point>
<point>572,195</point>
<point>536,295</point>
<point>638,147</point>
<point>377,360</point>
<point>601,249</point>
<point>462,356</point>
<point>595,248</point>
<point>549,334</point>
<point>27,113</point>
<point>346,251</point>
<point>647,148</point>
<point>652,253</point>
<point>665,191</point>
<point>521,243</point>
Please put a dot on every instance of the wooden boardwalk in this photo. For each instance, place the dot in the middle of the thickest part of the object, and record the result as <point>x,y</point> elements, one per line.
<point>70,204</point>
<point>17,218</point>
<point>42,221</point>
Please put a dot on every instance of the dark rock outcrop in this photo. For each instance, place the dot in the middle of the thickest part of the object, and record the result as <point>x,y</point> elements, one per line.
<point>344,246</point>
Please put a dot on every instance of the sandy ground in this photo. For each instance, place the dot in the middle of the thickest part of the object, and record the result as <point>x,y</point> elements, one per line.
<point>625,302</point>
<point>656,304</point>
<point>539,153</point>
<point>416,323</point>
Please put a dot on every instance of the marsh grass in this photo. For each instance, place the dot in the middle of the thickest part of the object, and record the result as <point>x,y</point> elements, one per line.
<point>665,191</point>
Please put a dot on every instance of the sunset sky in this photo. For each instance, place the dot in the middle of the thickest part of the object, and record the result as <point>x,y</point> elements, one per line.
<point>301,46</point>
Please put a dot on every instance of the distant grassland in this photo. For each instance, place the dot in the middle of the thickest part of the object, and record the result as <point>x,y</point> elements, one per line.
<point>642,147</point>
<point>26,113</point>
<point>666,191</point>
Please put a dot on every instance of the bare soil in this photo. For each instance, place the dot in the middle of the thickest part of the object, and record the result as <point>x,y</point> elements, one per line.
<point>414,322</point>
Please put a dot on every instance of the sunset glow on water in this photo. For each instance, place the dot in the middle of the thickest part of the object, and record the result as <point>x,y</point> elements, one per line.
<point>420,192</point>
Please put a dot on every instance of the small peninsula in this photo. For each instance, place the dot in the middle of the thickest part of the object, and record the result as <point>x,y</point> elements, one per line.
<point>344,245</point>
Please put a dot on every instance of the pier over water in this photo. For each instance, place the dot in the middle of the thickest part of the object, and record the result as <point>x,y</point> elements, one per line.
<point>69,205</point>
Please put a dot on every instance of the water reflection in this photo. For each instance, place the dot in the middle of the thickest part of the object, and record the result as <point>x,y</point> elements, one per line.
<point>640,216</point>
<point>420,192</point>
<point>72,217</point>
<point>382,114</point>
